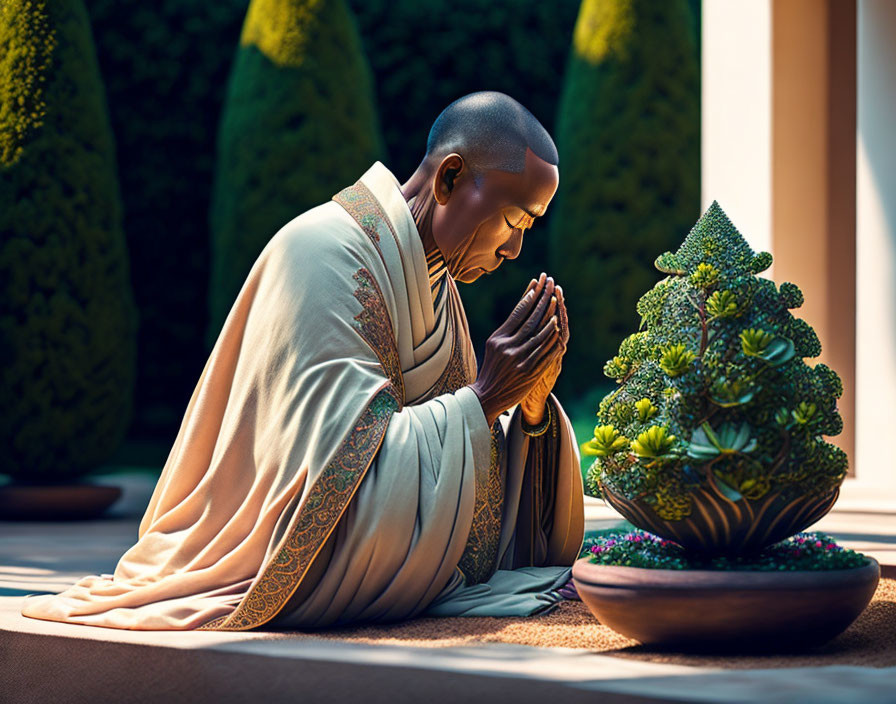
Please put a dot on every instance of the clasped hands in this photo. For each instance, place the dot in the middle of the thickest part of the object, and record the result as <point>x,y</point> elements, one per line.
<point>523,356</point>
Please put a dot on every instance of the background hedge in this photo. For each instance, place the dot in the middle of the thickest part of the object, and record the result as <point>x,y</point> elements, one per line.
<point>67,315</point>
<point>628,134</point>
<point>299,125</point>
<point>165,64</point>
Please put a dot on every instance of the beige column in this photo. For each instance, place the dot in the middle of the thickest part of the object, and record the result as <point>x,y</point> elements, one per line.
<point>876,250</point>
<point>813,177</point>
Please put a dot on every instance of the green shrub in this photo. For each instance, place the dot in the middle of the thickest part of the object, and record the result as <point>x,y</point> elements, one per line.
<point>713,390</point>
<point>424,55</point>
<point>298,126</point>
<point>628,135</point>
<point>165,65</point>
<point>67,317</point>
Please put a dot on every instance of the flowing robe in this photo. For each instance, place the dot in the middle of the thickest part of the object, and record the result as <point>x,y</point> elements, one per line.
<point>333,466</point>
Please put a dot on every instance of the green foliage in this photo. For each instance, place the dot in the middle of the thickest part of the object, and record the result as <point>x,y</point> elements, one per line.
<point>27,42</point>
<point>656,441</point>
<point>721,304</point>
<point>749,412</point>
<point>425,55</point>
<point>165,65</point>
<point>298,126</point>
<point>676,359</point>
<point>67,317</point>
<point>628,133</point>
<point>791,295</point>
<point>606,441</point>
<point>646,409</point>
<point>754,342</point>
<point>705,275</point>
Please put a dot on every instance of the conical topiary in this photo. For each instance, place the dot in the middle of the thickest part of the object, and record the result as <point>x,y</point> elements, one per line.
<point>67,317</point>
<point>298,126</point>
<point>716,429</point>
<point>628,134</point>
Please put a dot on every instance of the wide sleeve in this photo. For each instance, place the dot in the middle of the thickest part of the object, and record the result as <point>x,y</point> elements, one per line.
<point>549,524</point>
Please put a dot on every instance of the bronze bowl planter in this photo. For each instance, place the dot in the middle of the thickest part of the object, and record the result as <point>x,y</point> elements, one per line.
<point>730,610</point>
<point>718,525</point>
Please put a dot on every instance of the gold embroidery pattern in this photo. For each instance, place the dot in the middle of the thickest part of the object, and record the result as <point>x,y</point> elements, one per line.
<point>315,520</point>
<point>375,326</point>
<point>481,551</point>
<point>361,204</point>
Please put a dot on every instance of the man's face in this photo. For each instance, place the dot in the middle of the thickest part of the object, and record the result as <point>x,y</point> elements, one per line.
<point>480,226</point>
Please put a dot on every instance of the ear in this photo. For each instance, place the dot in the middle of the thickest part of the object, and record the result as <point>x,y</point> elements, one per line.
<point>443,183</point>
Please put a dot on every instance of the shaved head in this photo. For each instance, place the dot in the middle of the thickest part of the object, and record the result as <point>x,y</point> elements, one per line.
<point>489,171</point>
<point>489,130</point>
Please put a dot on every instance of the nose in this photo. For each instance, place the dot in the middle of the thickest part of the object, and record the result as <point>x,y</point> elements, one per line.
<point>512,248</point>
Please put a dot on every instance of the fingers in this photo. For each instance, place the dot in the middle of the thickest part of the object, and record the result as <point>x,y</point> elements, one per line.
<point>530,325</point>
<point>544,349</point>
<point>523,309</point>
<point>551,325</point>
<point>552,308</point>
<point>564,317</point>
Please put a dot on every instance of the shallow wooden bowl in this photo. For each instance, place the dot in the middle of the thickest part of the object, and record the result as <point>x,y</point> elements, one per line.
<point>739,610</point>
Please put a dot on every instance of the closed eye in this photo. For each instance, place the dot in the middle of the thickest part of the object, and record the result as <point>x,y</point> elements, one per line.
<point>510,224</point>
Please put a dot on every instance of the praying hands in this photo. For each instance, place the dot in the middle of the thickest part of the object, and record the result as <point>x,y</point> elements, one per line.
<point>523,356</point>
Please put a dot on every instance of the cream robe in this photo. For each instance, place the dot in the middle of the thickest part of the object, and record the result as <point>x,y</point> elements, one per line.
<point>332,464</point>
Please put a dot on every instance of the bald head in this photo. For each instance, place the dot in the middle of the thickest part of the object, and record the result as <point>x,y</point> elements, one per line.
<point>489,130</point>
<point>490,170</point>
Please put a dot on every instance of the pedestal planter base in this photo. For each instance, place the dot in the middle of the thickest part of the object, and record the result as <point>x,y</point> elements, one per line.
<point>55,502</point>
<point>737,610</point>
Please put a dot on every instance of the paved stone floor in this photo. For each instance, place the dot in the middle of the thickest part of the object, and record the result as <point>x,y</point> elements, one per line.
<point>42,661</point>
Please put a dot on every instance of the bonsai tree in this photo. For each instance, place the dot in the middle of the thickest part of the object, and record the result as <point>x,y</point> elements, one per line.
<point>628,135</point>
<point>67,316</point>
<point>298,125</point>
<point>714,437</point>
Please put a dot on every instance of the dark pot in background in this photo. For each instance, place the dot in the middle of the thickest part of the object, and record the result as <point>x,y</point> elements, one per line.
<point>52,502</point>
<point>732,610</point>
<point>718,525</point>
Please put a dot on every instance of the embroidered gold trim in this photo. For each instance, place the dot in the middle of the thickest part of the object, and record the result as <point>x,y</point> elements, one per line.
<point>375,325</point>
<point>363,206</point>
<point>315,519</point>
<point>480,554</point>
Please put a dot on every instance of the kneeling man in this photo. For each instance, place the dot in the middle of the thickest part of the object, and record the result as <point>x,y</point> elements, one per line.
<point>342,459</point>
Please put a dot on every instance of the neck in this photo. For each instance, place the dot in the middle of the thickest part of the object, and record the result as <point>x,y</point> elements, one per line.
<point>418,194</point>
